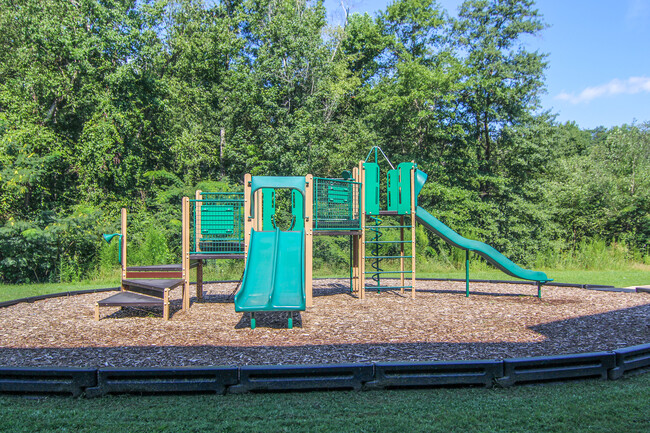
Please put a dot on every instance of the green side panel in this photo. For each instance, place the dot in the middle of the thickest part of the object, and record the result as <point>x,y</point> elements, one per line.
<point>338,194</point>
<point>268,209</point>
<point>217,221</point>
<point>404,202</point>
<point>274,277</point>
<point>297,210</point>
<point>372,188</point>
<point>392,180</point>
<point>494,257</point>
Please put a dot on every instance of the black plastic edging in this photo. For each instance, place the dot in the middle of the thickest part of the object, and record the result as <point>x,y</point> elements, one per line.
<point>221,379</point>
<point>629,359</point>
<point>557,368</point>
<point>163,380</point>
<point>302,377</point>
<point>437,373</point>
<point>46,380</point>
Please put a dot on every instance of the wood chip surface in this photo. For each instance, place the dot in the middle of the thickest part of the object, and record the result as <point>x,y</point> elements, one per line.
<point>497,321</point>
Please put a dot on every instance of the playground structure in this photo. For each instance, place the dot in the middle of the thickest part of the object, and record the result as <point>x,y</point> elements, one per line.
<point>279,263</point>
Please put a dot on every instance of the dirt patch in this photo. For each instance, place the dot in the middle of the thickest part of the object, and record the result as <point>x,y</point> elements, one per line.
<point>496,321</point>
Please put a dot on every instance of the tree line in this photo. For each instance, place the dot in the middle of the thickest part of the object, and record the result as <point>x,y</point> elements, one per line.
<point>111,103</point>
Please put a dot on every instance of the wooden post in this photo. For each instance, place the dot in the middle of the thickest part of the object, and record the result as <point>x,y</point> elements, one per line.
<point>166,304</point>
<point>123,243</point>
<point>199,280</point>
<point>258,221</point>
<point>248,224</point>
<point>355,238</point>
<point>401,253</point>
<point>413,231</point>
<point>309,238</point>
<point>362,241</point>
<point>197,220</point>
<point>96,312</point>
<point>185,247</point>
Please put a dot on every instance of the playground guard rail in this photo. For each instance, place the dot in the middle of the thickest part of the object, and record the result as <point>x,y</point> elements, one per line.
<point>336,204</point>
<point>217,223</point>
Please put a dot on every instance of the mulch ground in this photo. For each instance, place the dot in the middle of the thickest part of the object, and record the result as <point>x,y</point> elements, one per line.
<point>497,321</point>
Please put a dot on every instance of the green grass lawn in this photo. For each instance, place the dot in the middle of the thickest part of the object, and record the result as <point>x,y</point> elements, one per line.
<point>589,406</point>
<point>16,291</point>
<point>617,278</point>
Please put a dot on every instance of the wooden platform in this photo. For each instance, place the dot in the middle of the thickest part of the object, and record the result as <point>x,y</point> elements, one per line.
<point>130,299</point>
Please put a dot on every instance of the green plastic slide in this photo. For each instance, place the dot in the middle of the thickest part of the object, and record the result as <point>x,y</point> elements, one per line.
<point>274,278</point>
<point>493,257</point>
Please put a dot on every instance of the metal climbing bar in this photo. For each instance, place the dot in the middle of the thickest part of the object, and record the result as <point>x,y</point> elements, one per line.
<point>388,272</point>
<point>388,257</point>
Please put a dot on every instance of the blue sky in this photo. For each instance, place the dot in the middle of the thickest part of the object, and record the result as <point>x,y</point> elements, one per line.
<point>599,56</point>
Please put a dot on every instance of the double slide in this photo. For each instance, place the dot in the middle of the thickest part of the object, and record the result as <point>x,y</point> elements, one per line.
<point>274,278</point>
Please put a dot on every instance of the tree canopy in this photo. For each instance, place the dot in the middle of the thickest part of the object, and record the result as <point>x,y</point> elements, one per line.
<point>111,103</point>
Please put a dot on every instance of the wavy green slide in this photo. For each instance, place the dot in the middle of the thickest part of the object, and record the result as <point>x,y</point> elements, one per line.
<point>274,277</point>
<point>494,257</point>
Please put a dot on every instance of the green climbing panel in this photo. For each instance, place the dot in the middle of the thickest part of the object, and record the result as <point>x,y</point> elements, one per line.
<point>371,188</point>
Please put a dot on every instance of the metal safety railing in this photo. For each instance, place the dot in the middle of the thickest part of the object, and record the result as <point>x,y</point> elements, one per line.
<point>217,223</point>
<point>336,204</point>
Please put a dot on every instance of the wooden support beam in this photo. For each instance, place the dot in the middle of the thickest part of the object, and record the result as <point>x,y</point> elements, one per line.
<point>197,220</point>
<point>248,223</point>
<point>166,305</point>
<point>185,247</point>
<point>199,280</point>
<point>356,238</point>
<point>123,243</point>
<point>413,231</point>
<point>309,238</point>
<point>362,241</point>
<point>96,312</point>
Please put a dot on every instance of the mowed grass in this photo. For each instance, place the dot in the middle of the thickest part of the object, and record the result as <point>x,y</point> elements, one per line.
<point>617,278</point>
<point>589,406</point>
<point>17,291</point>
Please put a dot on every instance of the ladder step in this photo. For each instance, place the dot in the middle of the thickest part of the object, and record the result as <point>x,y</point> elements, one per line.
<point>388,272</point>
<point>368,227</point>
<point>388,257</point>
